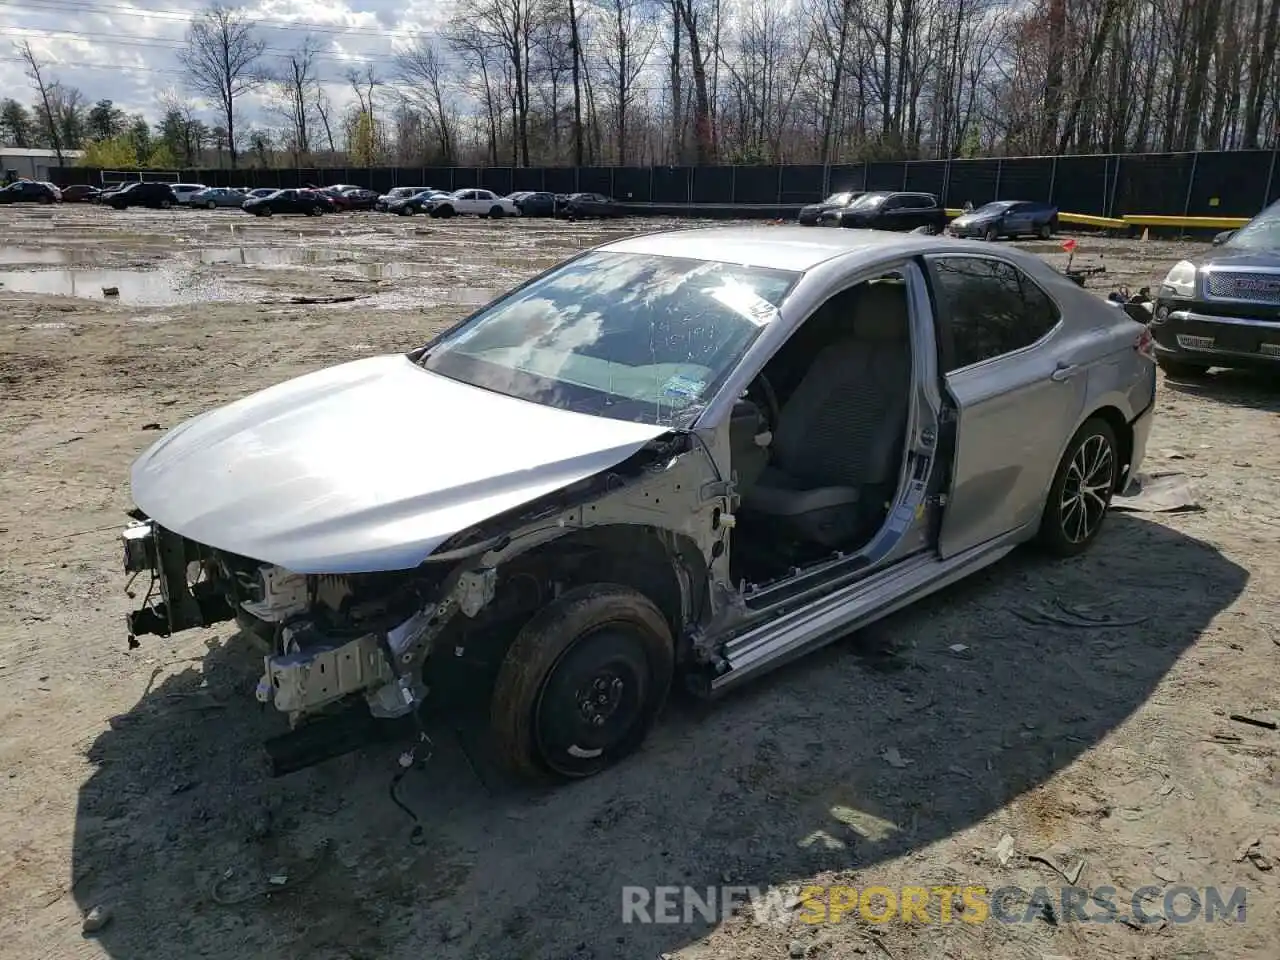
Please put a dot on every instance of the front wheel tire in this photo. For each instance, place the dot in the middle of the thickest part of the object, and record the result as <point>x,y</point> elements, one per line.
<point>582,684</point>
<point>1081,492</point>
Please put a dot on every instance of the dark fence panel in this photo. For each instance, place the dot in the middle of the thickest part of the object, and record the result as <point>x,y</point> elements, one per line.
<point>752,183</point>
<point>671,184</point>
<point>973,181</point>
<point>1223,184</point>
<point>560,180</point>
<point>798,184</point>
<point>633,184</point>
<point>1155,183</point>
<point>1083,185</point>
<point>713,184</point>
<point>1233,180</point>
<point>927,176</point>
<point>886,175</point>
<point>595,180</point>
<point>1029,178</point>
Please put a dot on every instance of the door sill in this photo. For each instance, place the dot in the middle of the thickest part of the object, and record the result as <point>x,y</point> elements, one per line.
<point>792,634</point>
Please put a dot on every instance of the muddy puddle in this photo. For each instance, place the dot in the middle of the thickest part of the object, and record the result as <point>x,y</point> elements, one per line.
<point>23,256</point>
<point>139,287</point>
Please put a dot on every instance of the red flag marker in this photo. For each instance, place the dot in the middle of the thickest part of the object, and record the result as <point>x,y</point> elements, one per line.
<point>1069,245</point>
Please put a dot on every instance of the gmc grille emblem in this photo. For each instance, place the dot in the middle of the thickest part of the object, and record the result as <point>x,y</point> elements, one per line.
<point>1257,286</point>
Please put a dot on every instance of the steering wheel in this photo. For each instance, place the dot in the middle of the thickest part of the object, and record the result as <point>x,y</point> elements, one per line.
<point>761,392</point>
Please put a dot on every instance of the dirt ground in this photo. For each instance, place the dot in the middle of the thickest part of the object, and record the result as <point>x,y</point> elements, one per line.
<point>133,781</point>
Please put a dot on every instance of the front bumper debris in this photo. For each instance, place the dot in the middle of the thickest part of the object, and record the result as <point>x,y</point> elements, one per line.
<point>172,602</point>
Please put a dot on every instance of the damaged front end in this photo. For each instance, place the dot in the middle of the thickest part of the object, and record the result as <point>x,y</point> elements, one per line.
<point>329,641</point>
<point>364,646</point>
<point>326,637</point>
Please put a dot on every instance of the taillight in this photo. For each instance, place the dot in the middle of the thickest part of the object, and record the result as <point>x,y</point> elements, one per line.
<point>1144,344</point>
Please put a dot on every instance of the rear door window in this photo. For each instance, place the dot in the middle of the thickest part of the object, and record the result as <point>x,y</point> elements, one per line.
<point>991,308</point>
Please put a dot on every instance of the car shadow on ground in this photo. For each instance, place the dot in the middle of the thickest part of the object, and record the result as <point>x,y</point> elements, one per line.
<point>197,853</point>
<point>1246,388</point>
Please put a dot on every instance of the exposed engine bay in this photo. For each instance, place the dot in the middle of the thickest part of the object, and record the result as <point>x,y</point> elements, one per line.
<point>325,636</point>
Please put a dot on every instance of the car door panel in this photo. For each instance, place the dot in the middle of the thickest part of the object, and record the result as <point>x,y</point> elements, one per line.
<point>1012,411</point>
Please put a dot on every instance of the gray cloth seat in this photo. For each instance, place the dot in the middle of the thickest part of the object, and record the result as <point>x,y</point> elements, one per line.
<point>837,445</point>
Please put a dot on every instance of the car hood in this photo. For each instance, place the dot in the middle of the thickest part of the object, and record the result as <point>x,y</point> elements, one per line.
<point>1239,259</point>
<point>973,219</point>
<point>367,466</point>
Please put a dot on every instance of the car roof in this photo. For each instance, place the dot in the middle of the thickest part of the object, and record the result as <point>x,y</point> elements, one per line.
<point>792,248</point>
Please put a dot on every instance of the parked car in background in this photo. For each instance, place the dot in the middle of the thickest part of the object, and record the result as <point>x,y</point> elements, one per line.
<point>259,192</point>
<point>143,194</point>
<point>814,213</point>
<point>477,202</point>
<point>535,203</point>
<point>895,210</point>
<point>398,193</point>
<point>881,448</point>
<point>213,197</point>
<point>339,197</point>
<point>285,201</point>
<point>582,206</point>
<point>322,197</point>
<point>1007,218</point>
<point>420,202</point>
<point>1222,308</point>
<point>79,193</point>
<point>360,198</point>
<point>30,191</point>
<point>185,191</point>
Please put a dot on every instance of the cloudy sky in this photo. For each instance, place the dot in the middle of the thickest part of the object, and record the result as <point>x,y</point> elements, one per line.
<point>131,50</point>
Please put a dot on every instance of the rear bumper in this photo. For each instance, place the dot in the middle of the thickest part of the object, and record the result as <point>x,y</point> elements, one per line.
<point>1141,434</point>
<point>1193,334</point>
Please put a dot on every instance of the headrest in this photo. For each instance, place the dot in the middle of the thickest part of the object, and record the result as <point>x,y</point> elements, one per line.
<point>882,312</point>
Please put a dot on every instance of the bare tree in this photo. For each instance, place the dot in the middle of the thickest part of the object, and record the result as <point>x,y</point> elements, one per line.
<point>629,32</point>
<point>222,62</point>
<point>36,73</point>
<point>423,86</point>
<point>296,83</point>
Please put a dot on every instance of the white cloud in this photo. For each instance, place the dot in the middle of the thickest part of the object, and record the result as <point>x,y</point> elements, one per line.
<point>130,51</point>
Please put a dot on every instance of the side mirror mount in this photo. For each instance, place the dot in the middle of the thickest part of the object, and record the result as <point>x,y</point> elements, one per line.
<point>1223,237</point>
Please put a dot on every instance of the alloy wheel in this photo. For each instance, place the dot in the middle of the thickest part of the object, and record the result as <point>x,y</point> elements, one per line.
<point>1090,478</point>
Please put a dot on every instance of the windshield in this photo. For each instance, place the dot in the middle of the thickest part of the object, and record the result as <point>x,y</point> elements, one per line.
<point>999,206</point>
<point>867,201</point>
<point>837,199</point>
<point>1260,233</point>
<point>627,336</point>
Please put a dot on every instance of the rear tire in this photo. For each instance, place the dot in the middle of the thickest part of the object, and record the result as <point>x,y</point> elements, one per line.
<point>1181,369</point>
<point>1080,494</point>
<point>1045,232</point>
<point>445,212</point>
<point>265,212</point>
<point>210,205</point>
<point>496,212</point>
<point>582,684</point>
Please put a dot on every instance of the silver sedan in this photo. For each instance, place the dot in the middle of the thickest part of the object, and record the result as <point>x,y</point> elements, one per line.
<point>689,455</point>
<point>214,197</point>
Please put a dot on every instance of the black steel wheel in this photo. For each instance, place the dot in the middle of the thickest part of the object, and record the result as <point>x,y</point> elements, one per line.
<point>582,684</point>
<point>1045,231</point>
<point>1082,488</point>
